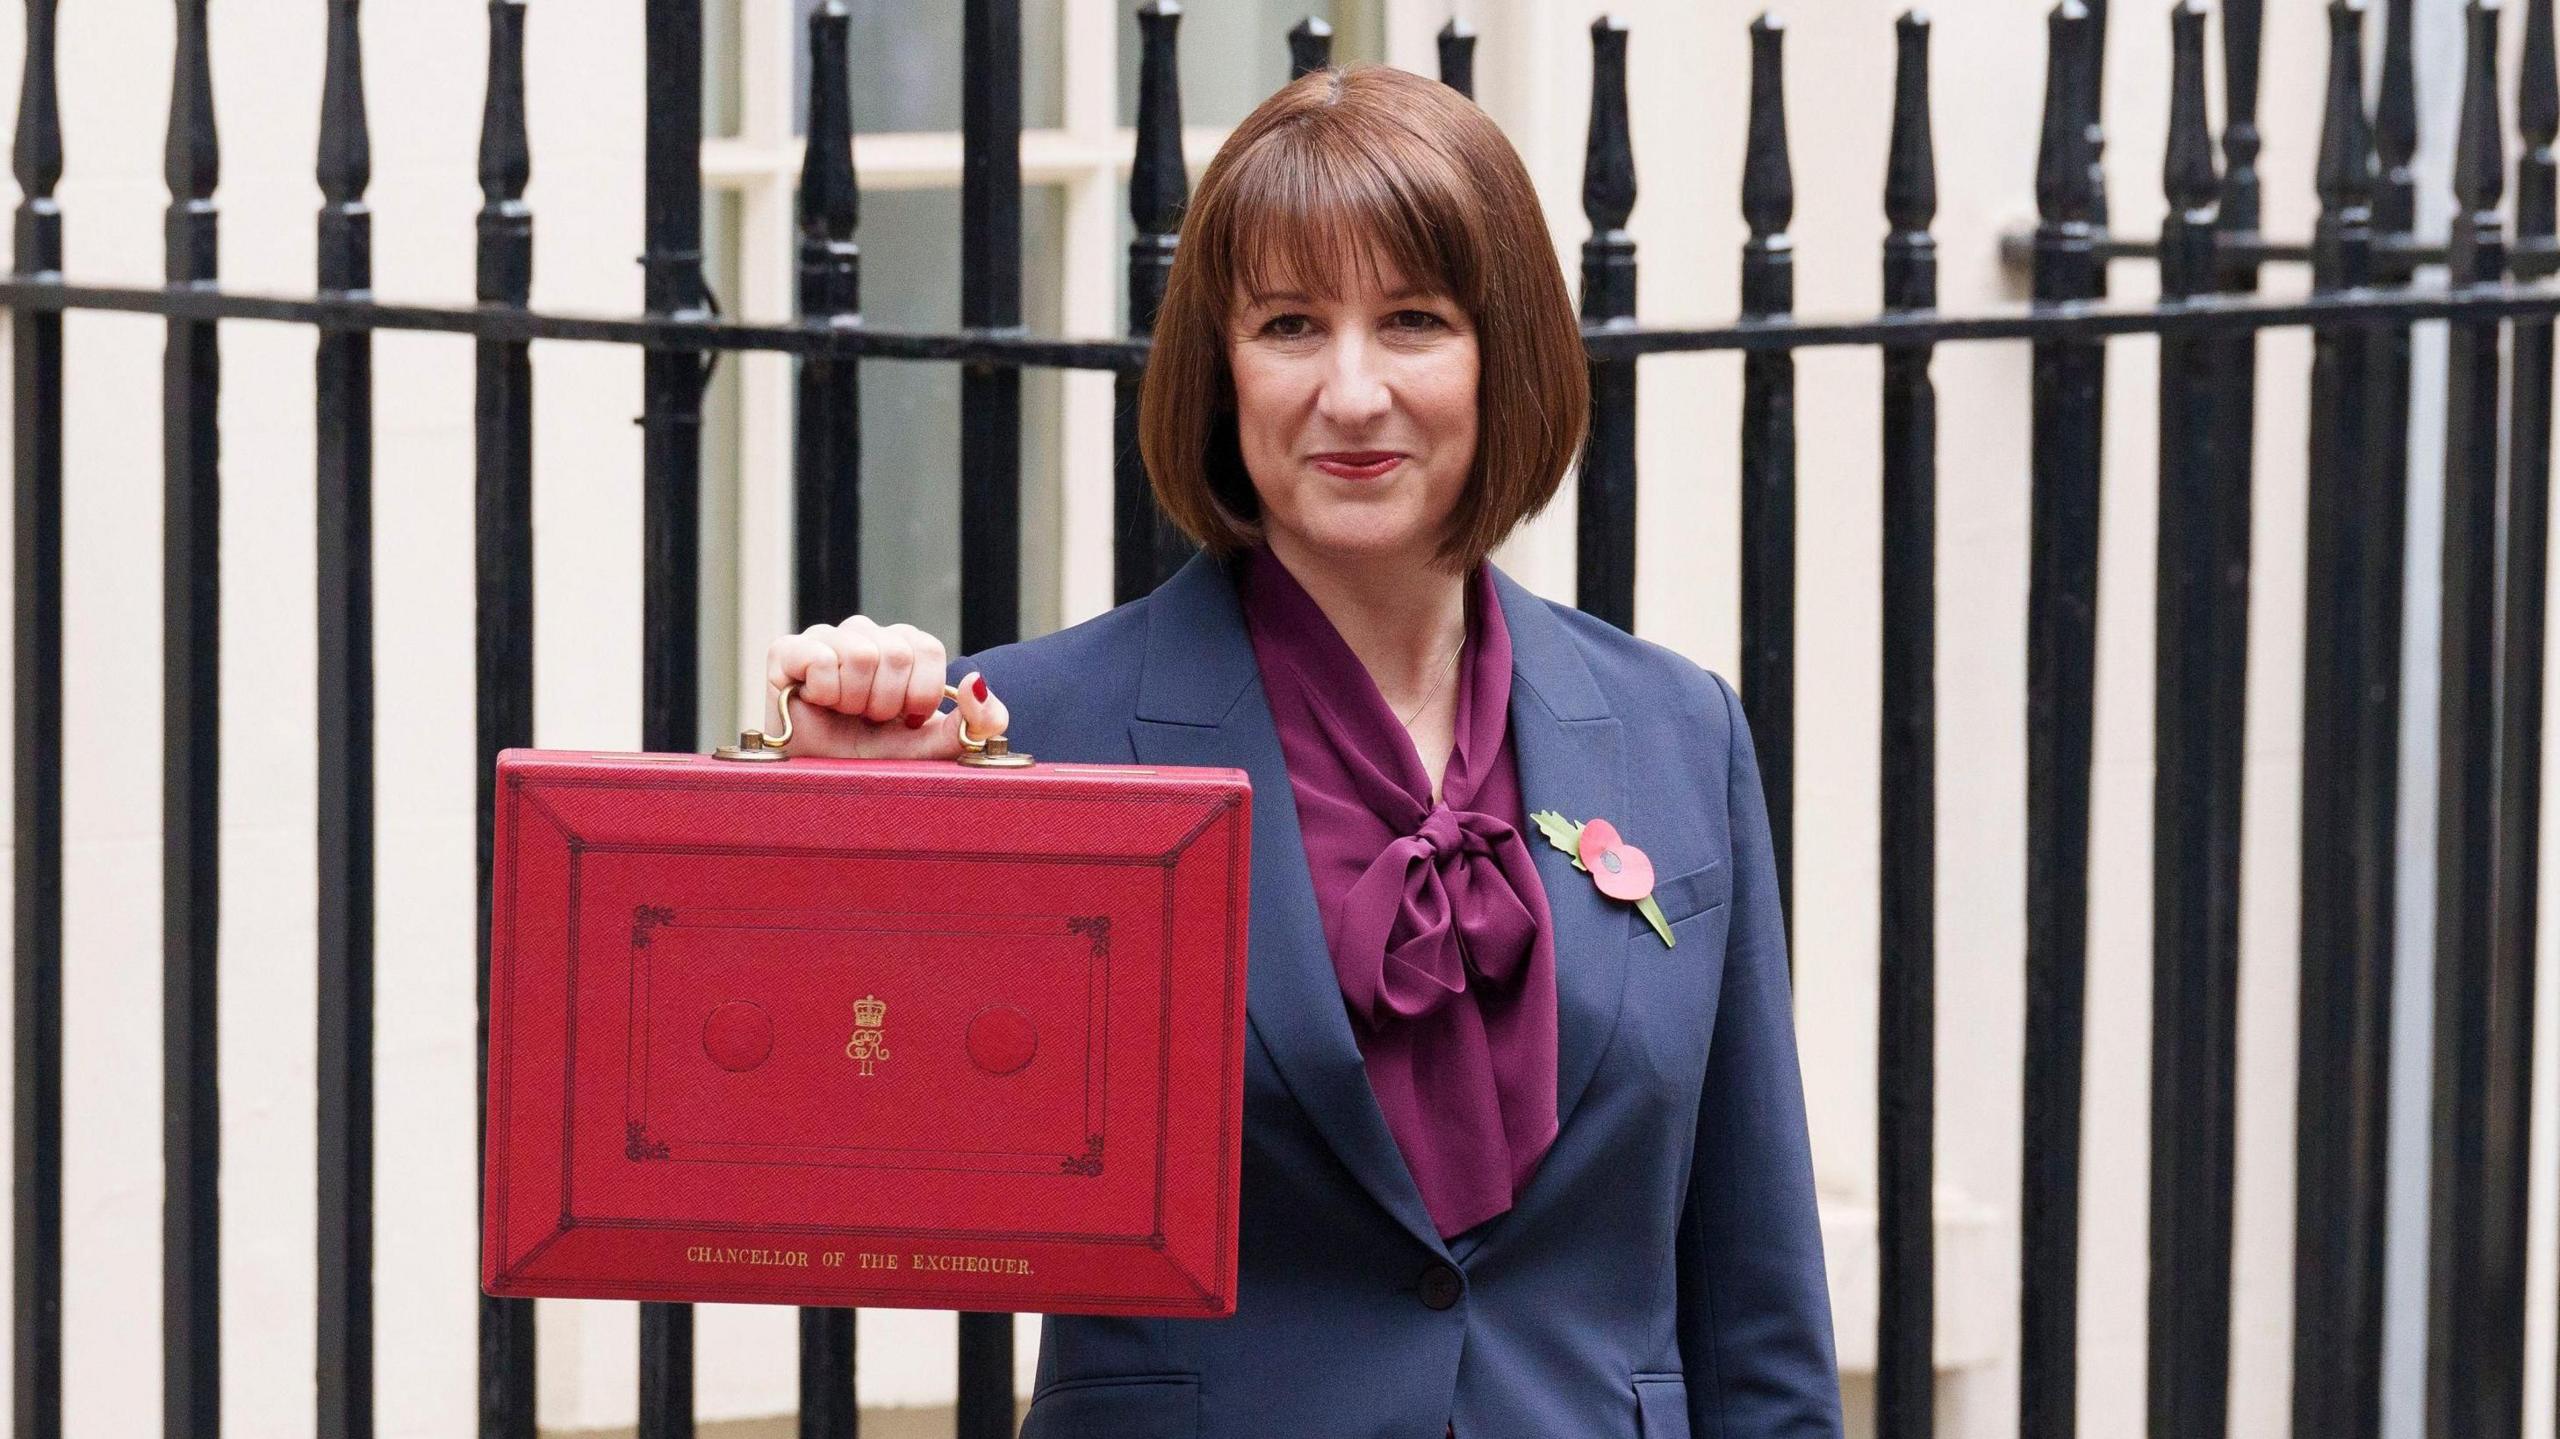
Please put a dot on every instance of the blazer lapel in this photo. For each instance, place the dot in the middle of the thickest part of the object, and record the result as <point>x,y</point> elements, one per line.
<point>1571,760</point>
<point>1200,702</point>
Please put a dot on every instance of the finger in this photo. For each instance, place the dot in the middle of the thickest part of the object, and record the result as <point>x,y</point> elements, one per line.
<point>807,659</point>
<point>857,648</point>
<point>924,679</point>
<point>985,713</point>
<point>778,662</point>
<point>787,660</point>
<point>888,696</point>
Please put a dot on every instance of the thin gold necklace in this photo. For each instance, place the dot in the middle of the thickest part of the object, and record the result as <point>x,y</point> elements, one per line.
<point>1407,719</point>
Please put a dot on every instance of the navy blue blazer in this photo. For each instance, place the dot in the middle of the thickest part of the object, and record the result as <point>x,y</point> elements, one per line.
<point>1662,1274</point>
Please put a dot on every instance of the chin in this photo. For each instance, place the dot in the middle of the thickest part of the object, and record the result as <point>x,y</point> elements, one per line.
<point>1356,539</point>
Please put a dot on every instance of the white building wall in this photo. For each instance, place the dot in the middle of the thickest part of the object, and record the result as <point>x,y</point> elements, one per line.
<point>1688,69</point>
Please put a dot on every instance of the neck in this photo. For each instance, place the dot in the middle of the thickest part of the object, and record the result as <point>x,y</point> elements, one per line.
<point>1404,620</point>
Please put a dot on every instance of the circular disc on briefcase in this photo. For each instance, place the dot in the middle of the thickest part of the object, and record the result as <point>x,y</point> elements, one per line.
<point>1002,1039</point>
<point>737,1035</point>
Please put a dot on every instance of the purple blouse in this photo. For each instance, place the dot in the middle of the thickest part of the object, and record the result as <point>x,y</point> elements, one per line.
<point>1434,914</point>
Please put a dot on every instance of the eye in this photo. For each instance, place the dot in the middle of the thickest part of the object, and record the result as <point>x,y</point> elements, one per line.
<point>1271,326</point>
<point>1428,319</point>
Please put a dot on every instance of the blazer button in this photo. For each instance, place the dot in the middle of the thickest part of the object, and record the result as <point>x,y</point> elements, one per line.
<point>1441,1286</point>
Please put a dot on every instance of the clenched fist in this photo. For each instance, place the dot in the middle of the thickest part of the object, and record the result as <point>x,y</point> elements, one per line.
<point>873,691</point>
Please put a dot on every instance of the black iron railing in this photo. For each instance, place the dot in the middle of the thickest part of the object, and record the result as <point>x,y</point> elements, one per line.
<point>2364,254</point>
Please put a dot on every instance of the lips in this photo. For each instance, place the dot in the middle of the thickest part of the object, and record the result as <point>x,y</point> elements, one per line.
<point>1358,464</point>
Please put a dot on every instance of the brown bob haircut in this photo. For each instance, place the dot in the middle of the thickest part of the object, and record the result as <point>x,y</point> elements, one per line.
<point>1339,168</point>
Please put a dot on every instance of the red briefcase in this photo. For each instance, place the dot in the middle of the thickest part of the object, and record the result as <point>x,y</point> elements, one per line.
<point>920,1033</point>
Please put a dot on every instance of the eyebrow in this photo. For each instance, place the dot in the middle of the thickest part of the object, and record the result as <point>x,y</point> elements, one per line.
<point>1409,292</point>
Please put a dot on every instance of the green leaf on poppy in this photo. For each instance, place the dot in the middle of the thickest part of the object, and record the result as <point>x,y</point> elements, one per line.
<point>1653,915</point>
<point>1563,833</point>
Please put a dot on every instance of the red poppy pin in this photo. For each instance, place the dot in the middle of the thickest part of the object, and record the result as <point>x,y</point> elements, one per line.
<point>1617,868</point>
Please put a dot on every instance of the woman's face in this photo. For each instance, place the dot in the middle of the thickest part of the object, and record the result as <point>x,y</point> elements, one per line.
<point>1356,416</point>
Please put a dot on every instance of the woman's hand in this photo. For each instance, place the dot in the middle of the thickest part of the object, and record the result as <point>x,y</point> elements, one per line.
<point>872,691</point>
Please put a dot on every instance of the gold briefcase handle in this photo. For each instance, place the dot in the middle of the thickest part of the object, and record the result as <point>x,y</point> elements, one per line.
<point>989,753</point>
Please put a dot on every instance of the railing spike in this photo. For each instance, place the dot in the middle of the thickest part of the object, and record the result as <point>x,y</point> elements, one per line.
<point>830,200</point>
<point>2395,123</point>
<point>1145,547</point>
<point>2538,82</point>
<point>1911,165</point>
<point>1158,184</point>
<point>192,159</point>
<point>1310,45</point>
<point>2091,93</point>
<point>1605,485</point>
<point>2535,254</point>
<point>1609,157</point>
<point>2062,163</point>
<point>2242,21</point>
<point>1768,179</point>
<point>37,157</point>
<point>2345,172</point>
<point>2479,152</point>
<point>1458,57</point>
<point>506,156</point>
<point>2187,173</point>
<point>346,146</point>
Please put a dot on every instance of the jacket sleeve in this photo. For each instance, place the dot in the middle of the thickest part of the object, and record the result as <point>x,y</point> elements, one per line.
<point>1754,1308</point>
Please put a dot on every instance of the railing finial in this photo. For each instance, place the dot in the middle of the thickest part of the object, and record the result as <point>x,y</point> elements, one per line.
<point>1768,178</point>
<point>1310,45</point>
<point>1910,174</point>
<point>506,157</point>
<point>2345,173</point>
<point>2242,21</point>
<point>2536,254</point>
<point>2479,152</point>
<point>1158,184</point>
<point>1159,189</point>
<point>830,199</point>
<point>2062,163</point>
<point>192,159</point>
<point>1911,165</point>
<point>1608,157</point>
<point>2538,83</point>
<point>2395,123</point>
<point>346,145</point>
<point>37,157</point>
<point>345,239</point>
<point>829,202</point>
<point>2187,172</point>
<point>1458,56</point>
<point>2091,93</point>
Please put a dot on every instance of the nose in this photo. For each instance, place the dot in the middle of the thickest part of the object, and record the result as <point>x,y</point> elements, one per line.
<point>1355,386</point>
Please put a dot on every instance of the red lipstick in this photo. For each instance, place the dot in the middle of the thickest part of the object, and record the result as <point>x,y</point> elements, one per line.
<point>1358,464</point>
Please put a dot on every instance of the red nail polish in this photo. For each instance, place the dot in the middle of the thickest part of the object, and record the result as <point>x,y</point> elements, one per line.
<point>980,686</point>
<point>915,721</point>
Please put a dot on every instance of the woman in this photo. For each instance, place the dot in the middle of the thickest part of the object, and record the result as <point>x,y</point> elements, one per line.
<point>1512,1164</point>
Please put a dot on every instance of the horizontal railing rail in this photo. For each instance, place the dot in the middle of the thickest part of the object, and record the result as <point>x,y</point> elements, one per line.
<point>2034,322</point>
